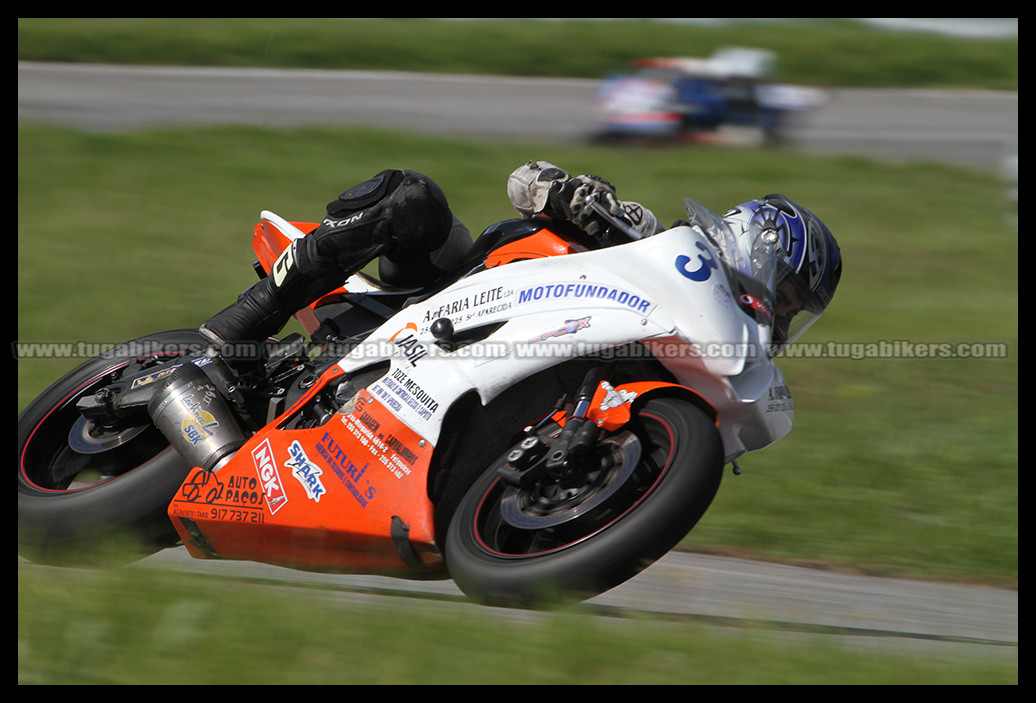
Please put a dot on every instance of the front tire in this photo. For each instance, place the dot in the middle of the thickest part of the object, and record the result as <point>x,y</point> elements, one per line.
<point>564,546</point>
<point>109,503</point>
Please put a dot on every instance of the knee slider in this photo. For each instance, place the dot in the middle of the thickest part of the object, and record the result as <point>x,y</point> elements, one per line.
<point>363,195</point>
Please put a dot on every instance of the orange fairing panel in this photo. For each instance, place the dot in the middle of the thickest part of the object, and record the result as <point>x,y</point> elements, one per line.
<point>536,246</point>
<point>611,407</point>
<point>268,242</point>
<point>347,496</point>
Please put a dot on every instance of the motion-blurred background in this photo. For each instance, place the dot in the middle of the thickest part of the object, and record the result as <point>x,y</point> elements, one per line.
<point>147,148</point>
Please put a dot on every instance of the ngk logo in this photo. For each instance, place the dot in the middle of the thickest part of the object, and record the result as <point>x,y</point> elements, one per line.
<point>269,477</point>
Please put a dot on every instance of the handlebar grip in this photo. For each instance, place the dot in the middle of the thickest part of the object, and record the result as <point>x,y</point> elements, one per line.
<point>611,220</point>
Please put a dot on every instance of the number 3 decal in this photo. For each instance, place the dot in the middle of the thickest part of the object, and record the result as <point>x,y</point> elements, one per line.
<point>703,272</point>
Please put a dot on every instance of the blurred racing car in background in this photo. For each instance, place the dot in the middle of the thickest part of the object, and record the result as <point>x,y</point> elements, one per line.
<point>693,98</point>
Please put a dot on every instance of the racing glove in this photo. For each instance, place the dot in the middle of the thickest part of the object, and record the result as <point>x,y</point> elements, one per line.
<point>572,199</point>
<point>541,188</point>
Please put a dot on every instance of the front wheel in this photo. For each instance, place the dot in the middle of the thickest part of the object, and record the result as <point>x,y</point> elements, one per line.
<point>567,540</point>
<point>84,491</point>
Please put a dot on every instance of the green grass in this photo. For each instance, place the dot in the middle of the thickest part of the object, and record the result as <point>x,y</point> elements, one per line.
<point>156,627</point>
<point>819,52</point>
<point>896,465</point>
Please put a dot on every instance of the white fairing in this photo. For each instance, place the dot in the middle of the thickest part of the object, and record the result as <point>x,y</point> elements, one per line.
<point>667,291</point>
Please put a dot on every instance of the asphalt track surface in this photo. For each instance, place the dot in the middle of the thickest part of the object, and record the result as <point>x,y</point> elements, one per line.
<point>970,128</point>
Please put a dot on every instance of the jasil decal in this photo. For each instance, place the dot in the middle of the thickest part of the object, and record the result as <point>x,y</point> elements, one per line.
<point>408,345</point>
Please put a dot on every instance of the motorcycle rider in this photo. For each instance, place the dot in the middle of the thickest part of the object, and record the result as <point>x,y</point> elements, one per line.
<point>403,217</point>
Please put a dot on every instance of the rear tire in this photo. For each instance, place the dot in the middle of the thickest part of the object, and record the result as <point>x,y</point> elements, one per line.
<point>592,538</point>
<point>76,508</point>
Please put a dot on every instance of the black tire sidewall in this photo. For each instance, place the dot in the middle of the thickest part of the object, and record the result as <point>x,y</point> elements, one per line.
<point>130,510</point>
<point>612,555</point>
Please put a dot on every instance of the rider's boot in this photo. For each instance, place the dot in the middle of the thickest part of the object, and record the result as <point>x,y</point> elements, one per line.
<point>265,307</point>
<point>394,209</point>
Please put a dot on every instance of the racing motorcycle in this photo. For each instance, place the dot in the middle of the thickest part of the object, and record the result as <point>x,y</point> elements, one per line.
<point>543,427</point>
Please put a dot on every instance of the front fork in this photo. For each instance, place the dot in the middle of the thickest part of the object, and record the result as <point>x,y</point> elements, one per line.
<point>539,454</point>
<point>598,407</point>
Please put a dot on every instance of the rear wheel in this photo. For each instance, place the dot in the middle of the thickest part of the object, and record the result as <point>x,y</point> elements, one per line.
<point>82,488</point>
<point>568,538</point>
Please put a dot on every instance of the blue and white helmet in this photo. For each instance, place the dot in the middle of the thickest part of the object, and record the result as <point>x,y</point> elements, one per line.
<point>809,262</point>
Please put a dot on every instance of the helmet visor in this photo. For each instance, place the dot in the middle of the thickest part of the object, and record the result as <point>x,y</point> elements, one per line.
<point>795,309</point>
